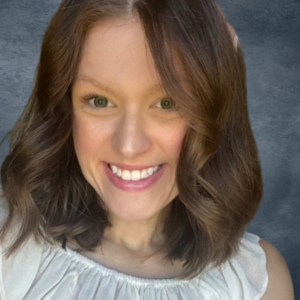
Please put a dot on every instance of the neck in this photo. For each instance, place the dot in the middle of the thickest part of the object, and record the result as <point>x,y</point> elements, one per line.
<point>136,248</point>
<point>135,236</point>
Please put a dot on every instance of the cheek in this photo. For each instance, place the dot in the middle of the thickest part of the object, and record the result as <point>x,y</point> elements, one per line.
<point>80,137</point>
<point>172,137</point>
<point>87,138</point>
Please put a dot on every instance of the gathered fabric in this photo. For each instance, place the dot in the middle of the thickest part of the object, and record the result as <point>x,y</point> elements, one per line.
<point>48,272</point>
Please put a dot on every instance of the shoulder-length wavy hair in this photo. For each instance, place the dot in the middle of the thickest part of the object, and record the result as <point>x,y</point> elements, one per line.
<point>218,175</point>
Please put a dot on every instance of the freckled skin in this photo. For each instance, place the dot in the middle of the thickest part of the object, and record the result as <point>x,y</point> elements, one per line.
<point>133,130</point>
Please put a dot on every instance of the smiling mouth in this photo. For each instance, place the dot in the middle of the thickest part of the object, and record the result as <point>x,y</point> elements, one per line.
<point>134,175</point>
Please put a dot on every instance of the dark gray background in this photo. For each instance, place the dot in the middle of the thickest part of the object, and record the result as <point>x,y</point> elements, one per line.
<point>269,31</point>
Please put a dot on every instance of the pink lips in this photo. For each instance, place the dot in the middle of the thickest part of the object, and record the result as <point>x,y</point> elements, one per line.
<point>133,186</point>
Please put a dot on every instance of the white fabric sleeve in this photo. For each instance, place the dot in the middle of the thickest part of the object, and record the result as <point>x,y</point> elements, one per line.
<point>246,273</point>
<point>17,272</point>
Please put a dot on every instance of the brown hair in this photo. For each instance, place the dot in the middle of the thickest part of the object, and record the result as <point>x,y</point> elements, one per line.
<point>218,174</point>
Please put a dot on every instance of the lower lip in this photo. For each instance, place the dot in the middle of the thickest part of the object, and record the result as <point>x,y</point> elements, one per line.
<point>131,185</point>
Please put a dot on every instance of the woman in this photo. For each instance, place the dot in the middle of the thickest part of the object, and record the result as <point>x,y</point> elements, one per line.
<point>133,172</point>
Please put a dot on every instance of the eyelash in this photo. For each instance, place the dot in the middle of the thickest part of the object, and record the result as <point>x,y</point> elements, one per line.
<point>90,97</point>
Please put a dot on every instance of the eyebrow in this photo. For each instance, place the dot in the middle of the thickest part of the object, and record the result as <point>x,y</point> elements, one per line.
<point>155,88</point>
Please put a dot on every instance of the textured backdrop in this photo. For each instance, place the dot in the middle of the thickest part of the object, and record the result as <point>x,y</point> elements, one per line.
<point>269,31</point>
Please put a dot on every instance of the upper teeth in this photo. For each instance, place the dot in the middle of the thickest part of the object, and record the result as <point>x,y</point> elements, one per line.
<point>135,174</point>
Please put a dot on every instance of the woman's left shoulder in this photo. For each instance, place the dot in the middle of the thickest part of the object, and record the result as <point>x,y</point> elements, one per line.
<point>257,271</point>
<point>280,284</point>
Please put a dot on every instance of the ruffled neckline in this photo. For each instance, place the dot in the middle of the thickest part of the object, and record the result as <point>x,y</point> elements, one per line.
<point>119,276</point>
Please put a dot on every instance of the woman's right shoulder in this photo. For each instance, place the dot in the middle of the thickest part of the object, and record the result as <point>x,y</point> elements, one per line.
<point>18,270</point>
<point>3,209</point>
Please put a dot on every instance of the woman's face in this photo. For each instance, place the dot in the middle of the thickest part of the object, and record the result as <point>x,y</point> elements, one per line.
<point>127,133</point>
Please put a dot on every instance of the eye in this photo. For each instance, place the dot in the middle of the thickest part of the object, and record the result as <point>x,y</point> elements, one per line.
<point>98,101</point>
<point>166,103</point>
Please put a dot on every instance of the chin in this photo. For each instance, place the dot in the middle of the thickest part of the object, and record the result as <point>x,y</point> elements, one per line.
<point>134,210</point>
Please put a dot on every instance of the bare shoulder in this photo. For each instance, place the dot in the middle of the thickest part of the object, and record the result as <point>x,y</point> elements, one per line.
<point>280,286</point>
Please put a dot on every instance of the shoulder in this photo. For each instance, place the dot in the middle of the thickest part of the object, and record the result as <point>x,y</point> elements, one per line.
<point>280,283</point>
<point>20,267</point>
<point>257,271</point>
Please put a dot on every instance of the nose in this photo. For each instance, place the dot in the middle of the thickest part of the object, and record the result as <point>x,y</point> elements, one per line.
<point>130,138</point>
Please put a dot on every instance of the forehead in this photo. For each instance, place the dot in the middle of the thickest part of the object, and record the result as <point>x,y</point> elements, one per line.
<point>115,50</point>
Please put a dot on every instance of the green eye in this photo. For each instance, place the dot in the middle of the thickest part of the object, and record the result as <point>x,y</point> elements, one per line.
<point>99,102</point>
<point>167,104</point>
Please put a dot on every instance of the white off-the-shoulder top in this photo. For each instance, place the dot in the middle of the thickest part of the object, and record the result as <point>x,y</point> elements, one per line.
<point>44,272</point>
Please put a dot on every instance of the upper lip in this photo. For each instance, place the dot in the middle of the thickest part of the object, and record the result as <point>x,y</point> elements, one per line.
<point>131,167</point>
